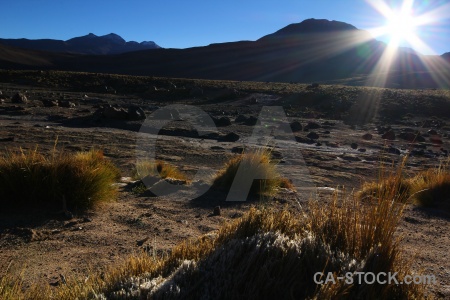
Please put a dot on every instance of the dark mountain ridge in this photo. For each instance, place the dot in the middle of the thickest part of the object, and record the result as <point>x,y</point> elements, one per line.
<point>88,44</point>
<point>313,50</point>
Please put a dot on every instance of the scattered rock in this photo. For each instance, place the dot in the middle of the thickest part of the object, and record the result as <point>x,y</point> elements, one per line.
<point>49,103</point>
<point>350,157</point>
<point>66,104</point>
<point>411,136</point>
<point>389,135</point>
<point>393,150</point>
<point>362,150</point>
<point>304,140</point>
<point>367,136</point>
<point>432,132</point>
<point>230,137</point>
<point>216,211</point>
<point>238,149</point>
<point>216,148</point>
<point>136,113</point>
<point>312,135</point>
<point>240,119</point>
<point>19,98</point>
<point>296,126</point>
<point>222,122</point>
<point>251,121</point>
<point>354,146</point>
<point>312,125</point>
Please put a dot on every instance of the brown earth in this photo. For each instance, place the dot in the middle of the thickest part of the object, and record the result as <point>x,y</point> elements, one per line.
<point>45,246</point>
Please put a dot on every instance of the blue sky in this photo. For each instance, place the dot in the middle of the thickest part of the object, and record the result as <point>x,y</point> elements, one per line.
<point>182,24</point>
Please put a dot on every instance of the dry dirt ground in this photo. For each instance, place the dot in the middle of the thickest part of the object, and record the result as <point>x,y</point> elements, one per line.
<point>44,246</point>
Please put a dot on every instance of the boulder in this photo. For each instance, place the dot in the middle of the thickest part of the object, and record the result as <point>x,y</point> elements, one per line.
<point>240,119</point>
<point>136,113</point>
<point>222,122</point>
<point>110,112</point>
<point>312,135</point>
<point>312,125</point>
<point>66,104</point>
<point>49,103</point>
<point>354,146</point>
<point>367,136</point>
<point>389,135</point>
<point>231,137</point>
<point>19,98</point>
<point>251,121</point>
<point>296,126</point>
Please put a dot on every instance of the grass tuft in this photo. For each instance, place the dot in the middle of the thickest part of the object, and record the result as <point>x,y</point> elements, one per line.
<point>32,180</point>
<point>255,164</point>
<point>157,169</point>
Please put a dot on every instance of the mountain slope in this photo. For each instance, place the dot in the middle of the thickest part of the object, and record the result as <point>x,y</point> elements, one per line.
<point>313,50</point>
<point>88,44</point>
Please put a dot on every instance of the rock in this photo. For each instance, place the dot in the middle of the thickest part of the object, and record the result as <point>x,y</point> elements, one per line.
<point>411,137</point>
<point>216,211</point>
<point>318,144</point>
<point>389,135</point>
<point>367,136</point>
<point>436,140</point>
<point>312,125</point>
<point>136,113</point>
<point>110,112</point>
<point>222,122</point>
<point>393,150</point>
<point>312,135</point>
<point>362,150</point>
<point>49,103</point>
<point>8,139</point>
<point>230,137</point>
<point>66,104</point>
<point>19,98</point>
<point>296,126</point>
<point>328,124</point>
<point>432,132</point>
<point>238,149</point>
<point>240,119</point>
<point>304,140</point>
<point>354,145</point>
<point>251,121</point>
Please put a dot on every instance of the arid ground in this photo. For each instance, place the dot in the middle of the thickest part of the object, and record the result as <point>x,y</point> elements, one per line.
<point>346,135</point>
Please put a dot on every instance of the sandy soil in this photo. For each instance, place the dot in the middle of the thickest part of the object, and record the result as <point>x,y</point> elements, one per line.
<point>44,246</point>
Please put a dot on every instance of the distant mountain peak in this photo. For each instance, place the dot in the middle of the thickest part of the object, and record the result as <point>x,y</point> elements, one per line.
<point>114,38</point>
<point>311,26</point>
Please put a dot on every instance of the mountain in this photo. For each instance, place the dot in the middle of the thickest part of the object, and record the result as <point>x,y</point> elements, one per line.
<point>88,44</point>
<point>311,51</point>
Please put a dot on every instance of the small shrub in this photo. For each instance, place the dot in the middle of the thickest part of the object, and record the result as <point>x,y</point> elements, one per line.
<point>254,165</point>
<point>32,180</point>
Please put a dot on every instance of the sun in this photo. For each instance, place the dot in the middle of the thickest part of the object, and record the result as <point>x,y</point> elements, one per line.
<point>401,27</point>
<point>401,24</point>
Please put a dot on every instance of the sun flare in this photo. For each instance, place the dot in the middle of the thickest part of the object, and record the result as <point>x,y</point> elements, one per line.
<point>401,27</point>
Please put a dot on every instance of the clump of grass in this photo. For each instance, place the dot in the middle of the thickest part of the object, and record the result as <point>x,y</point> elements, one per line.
<point>265,254</point>
<point>432,187</point>
<point>255,164</point>
<point>32,180</point>
<point>427,188</point>
<point>157,169</point>
<point>391,184</point>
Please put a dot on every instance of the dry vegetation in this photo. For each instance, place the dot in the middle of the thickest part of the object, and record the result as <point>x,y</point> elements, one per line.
<point>266,253</point>
<point>31,180</point>
<point>255,164</point>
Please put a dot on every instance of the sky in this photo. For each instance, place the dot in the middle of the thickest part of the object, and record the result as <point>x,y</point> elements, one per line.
<point>183,24</point>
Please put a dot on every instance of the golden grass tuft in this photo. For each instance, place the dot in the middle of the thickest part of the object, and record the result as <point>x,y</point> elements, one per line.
<point>157,169</point>
<point>426,188</point>
<point>32,180</point>
<point>255,164</point>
